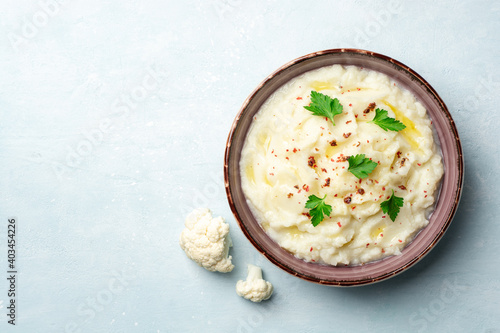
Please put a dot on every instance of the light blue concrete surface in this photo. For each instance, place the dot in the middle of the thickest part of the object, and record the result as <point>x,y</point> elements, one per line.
<point>114,118</point>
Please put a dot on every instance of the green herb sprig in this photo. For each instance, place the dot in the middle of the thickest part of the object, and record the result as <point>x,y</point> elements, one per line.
<point>360,166</point>
<point>392,205</point>
<point>318,209</point>
<point>385,122</point>
<point>324,106</point>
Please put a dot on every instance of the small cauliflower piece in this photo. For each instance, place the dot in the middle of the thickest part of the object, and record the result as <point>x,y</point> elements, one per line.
<point>254,288</point>
<point>206,241</point>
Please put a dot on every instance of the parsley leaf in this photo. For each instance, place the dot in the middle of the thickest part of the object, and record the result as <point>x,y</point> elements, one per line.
<point>360,166</point>
<point>385,122</point>
<point>392,205</point>
<point>318,209</point>
<point>325,106</point>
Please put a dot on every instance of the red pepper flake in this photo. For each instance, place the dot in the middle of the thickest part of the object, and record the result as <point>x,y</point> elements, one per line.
<point>347,200</point>
<point>383,251</point>
<point>425,196</point>
<point>346,135</point>
<point>296,186</point>
<point>313,260</point>
<point>402,187</point>
<point>383,216</point>
<point>425,191</point>
<point>323,169</point>
<point>370,107</point>
<point>350,104</point>
<point>327,182</point>
<point>294,150</point>
<point>316,149</point>
<point>307,214</point>
<point>333,143</point>
<point>311,249</point>
<point>287,150</point>
<point>311,161</point>
<point>399,154</point>
<point>305,187</point>
<point>419,164</point>
<point>272,174</point>
<point>340,225</point>
<point>399,240</point>
<point>335,195</point>
<point>349,121</point>
<point>287,158</point>
<point>358,89</point>
<point>353,207</point>
<point>361,191</point>
<point>290,195</point>
<point>272,152</point>
<point>403,160</point>
<point>381,235</point>
<point>356,115</point>
<point>342,158</point>
<point>299,98</point>
<point>383,188</point>
<point>367,244</point>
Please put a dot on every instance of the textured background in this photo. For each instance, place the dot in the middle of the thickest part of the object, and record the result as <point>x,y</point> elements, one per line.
<point>114,117</point>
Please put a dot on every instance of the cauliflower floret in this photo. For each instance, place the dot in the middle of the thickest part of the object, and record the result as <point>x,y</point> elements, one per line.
<point>206,241</point>
<point>254,288</point>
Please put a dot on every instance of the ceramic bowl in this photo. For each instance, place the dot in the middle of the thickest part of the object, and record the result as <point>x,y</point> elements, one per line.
<point>447,201</point>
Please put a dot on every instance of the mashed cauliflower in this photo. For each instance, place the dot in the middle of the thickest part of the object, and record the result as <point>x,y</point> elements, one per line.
<point>290,154</point>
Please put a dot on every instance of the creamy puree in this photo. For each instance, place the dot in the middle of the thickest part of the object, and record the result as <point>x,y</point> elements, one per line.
<point>277,177</point>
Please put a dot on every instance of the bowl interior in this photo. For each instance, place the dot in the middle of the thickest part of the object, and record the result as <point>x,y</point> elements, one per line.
<point>446,204</point>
